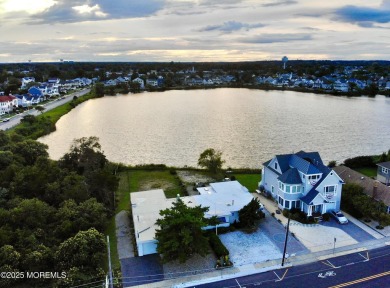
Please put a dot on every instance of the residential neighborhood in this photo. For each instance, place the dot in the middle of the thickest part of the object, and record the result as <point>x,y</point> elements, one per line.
<point>340,78</point>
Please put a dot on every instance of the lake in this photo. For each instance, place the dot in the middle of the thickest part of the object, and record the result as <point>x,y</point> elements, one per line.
<point>248,126</point>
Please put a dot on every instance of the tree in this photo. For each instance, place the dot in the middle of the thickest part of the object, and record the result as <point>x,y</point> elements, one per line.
<point>99,89</point>
<point>30,150</point>
<point>85,250</point>
<point>250,214</point>
<point>84,155</point>
<point>211,159</point>
<point>180,232</point>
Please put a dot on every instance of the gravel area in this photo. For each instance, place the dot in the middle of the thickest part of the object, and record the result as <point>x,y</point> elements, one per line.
<point>193,177</point>
<point>195,265</point>
<point>249,248</point>
<point>124,244</point>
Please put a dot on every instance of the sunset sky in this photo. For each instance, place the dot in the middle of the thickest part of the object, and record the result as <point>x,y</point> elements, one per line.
<point>193,30</point>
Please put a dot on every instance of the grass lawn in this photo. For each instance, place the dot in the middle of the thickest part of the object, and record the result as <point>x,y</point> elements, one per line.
<point>368,171</point>
<point>250,181</point>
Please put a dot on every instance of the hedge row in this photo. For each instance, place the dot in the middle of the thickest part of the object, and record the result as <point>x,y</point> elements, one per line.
<point>219,249</point>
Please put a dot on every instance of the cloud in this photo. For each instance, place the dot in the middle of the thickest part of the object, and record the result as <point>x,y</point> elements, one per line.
<point>280,3</point>
<point>89,10</point>
<point>218,2</point>
<point>230,26</point>
<point>364,16</point>
<point>277,38</point>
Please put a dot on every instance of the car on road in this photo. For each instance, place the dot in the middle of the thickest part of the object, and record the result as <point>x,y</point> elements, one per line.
<point>339,217</point>
<point>6,119</point>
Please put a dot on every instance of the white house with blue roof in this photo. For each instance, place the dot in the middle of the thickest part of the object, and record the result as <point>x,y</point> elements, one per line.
<point>302,181</point>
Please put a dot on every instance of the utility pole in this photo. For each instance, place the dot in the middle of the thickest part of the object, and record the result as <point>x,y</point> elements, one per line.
<point>334,244</point>
<point>285,242</point>
<point>109,262</point>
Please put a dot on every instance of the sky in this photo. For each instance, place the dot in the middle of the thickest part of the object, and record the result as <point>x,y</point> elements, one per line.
<point>193,30</point>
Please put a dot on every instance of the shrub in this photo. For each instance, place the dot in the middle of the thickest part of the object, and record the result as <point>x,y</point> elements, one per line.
<point>172,172</point>
<point>326,216</point>
<point>360,161</point>
<point>219,249</point>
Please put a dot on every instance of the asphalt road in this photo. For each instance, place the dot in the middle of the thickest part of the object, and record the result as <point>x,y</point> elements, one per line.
<point>364,269</point>
<point>15,120</point>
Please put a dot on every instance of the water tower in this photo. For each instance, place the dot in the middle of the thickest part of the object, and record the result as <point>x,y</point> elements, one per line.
<point>284,60</point>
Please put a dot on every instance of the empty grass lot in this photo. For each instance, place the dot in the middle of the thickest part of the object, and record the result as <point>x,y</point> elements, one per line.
<point>250,181</point>
<point>368,171</point>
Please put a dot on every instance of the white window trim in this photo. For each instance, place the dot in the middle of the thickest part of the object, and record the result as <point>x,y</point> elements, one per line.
<point>385,170</point>
<point>334,192</point>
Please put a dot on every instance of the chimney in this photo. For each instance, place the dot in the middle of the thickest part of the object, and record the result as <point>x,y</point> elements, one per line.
<point>375,189</point>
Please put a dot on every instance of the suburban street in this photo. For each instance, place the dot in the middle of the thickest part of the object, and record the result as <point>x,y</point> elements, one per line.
<point>15,120</point>
<point>363,269</point>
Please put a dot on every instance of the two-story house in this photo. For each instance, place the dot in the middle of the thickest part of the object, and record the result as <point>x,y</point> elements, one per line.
<point>383,173</point>
<point>302,181</point>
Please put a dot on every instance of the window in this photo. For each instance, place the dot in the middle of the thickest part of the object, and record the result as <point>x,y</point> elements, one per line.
<point>330,188</point>
<point>385,170</point>
<point>296,204</point>
<point>330,191</point>
<point>272,189</point>
<point>281,201</point>
<point>287,188</point>
<point>276,166</point>
<point>296,189</point>
<point>287,204</point>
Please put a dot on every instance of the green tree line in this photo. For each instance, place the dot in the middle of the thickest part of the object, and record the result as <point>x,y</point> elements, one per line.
<point>53,213</point>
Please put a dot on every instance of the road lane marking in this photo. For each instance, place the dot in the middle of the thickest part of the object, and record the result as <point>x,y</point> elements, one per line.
<point>361,280</point>
<point>365,258</point>
<point>341,253</point>
<point>327,262</point>
<point>280,278</point>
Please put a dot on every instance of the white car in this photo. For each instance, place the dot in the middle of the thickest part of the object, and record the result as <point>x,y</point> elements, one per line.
<point>339,217</point>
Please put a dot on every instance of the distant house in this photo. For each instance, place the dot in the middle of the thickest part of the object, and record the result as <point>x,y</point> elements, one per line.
<point>224,200</point>
<point>371,187</point>
<point>302,181</point>
<point>341,85</point>
<point>23,100</point>
<point>26,80</point>
<point>383,173</point>
<point>7,104</point>
<point>111,82</point>
<point>140,82</point>
<point>36,93</point>
<point>152,82</point>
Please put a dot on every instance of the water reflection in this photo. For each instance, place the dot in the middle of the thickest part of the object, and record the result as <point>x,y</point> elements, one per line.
<point>249,126</point>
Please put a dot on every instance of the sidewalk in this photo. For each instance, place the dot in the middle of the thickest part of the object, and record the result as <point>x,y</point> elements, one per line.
<point>245,270</point>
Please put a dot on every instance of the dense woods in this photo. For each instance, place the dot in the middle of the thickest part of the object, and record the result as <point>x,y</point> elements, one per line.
<point>53,213</point>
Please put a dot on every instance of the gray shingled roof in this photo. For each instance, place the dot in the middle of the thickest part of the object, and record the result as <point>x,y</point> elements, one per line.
<point>352,176</point>
<point>384,164</point>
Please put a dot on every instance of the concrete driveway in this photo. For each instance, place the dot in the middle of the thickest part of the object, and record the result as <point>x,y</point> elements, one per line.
<point>319,237</point>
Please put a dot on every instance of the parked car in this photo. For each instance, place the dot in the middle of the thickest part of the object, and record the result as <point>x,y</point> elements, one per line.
<point>6,119</point>
<point>339,217</point>
<point>261,208</point>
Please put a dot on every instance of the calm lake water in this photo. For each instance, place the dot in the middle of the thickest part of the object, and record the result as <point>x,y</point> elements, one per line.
<point>248,126</point>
